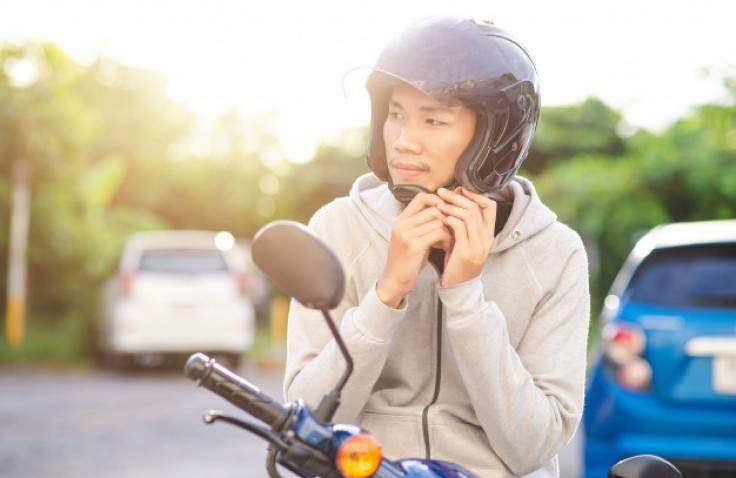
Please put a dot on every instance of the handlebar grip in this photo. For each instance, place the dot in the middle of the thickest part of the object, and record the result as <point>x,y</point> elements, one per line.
<point>236,390</point>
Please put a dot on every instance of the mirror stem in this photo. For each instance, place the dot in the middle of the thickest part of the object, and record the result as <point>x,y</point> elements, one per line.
<point>328,406</point>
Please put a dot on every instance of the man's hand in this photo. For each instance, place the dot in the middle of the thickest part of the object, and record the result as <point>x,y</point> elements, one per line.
<point>471,217</point>
<point>418,227</point>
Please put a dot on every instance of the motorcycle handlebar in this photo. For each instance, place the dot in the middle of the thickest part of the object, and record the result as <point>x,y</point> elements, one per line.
<point>213,376</point>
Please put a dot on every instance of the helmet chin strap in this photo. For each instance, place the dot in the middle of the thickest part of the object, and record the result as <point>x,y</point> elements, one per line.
<point>404,193</point>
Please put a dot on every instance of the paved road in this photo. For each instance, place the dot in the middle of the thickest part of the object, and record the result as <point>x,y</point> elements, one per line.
<point>64,423</point>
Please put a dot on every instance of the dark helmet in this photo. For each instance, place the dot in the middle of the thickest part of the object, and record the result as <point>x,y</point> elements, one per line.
<point>461,61</point>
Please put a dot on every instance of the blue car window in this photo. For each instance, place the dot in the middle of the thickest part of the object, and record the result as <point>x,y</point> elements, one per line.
<point>182,262</point>
<point>701,276</point>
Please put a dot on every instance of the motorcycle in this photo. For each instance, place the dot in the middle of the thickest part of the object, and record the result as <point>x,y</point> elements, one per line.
<point>305,441</point>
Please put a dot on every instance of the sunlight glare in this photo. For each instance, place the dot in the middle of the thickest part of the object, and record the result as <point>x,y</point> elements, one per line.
<point>290,56</point>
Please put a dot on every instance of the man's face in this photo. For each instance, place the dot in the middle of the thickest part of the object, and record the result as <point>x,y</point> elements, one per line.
<point>424,139</point>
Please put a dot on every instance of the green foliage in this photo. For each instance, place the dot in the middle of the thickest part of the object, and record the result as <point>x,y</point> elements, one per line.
<point>684,174</point>
<point>564,132</point>
<point>691,167</point>
<point>71,126</point>
<point>329,175</point>
<point>59,343</point>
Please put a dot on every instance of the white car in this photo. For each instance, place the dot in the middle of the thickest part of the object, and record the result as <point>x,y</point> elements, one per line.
<point>177,292</point>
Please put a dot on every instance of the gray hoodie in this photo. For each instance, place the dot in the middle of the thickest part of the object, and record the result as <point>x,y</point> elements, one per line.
<point>488,374</point>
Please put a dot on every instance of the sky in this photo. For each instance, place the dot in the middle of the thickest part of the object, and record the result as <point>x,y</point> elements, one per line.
<point>646,58</point>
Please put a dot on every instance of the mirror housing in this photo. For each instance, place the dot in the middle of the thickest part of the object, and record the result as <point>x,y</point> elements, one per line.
<point>644,466</point>
<point>300,264</point>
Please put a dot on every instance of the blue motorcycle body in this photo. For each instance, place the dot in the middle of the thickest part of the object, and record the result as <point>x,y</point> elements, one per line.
<point>328,437</point>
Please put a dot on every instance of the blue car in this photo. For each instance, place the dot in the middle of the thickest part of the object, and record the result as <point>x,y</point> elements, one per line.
<point>664,378</point>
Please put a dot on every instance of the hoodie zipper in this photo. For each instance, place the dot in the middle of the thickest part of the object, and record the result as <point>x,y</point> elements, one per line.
<point>437,383</point>
<point>438,261</point>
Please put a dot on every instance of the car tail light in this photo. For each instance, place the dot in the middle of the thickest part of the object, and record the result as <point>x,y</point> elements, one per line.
<point>623,347</point>
<point>622,342</point>
<point>241,282</point>
<point>126,282</point>
<point>359,456</point>
<point>636,374</point>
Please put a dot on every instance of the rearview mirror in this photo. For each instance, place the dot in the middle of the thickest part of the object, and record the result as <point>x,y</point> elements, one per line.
<point>299,264</point>
<point>302,266</point>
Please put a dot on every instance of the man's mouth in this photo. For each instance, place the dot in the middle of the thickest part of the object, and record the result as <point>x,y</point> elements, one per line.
<point>407,170</point>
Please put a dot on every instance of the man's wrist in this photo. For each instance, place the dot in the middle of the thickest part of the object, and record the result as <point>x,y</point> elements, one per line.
<point>387,296</point>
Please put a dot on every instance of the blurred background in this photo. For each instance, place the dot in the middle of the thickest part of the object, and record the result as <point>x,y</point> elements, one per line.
<point>125,116</point>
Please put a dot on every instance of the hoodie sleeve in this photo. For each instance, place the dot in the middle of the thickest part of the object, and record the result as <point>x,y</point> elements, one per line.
<point>527,398</point>
<point>314,363</point>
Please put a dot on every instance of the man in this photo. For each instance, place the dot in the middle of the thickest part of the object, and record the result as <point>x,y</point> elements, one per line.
<point>466,306</point>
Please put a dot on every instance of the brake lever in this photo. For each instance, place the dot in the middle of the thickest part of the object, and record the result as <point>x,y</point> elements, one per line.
<point>213,416</point>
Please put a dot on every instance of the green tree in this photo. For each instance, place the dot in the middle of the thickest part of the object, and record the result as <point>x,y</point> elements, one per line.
<point>227,183</point>
<point>330,174</point>
<point>563,132</point>
<point>684,174</point>
<point>82,130</point>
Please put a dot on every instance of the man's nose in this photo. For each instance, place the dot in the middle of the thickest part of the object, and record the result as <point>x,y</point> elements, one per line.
<point>407,139</point>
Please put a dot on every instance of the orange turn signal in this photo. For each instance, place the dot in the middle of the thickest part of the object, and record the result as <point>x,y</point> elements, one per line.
<point>359,456</point>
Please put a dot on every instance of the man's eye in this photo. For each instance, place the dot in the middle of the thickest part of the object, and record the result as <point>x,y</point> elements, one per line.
<point>395,115</point>
<point>434,122</point>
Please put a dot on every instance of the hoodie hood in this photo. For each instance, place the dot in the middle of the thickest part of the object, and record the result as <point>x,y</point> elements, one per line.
<point>372,197</point>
